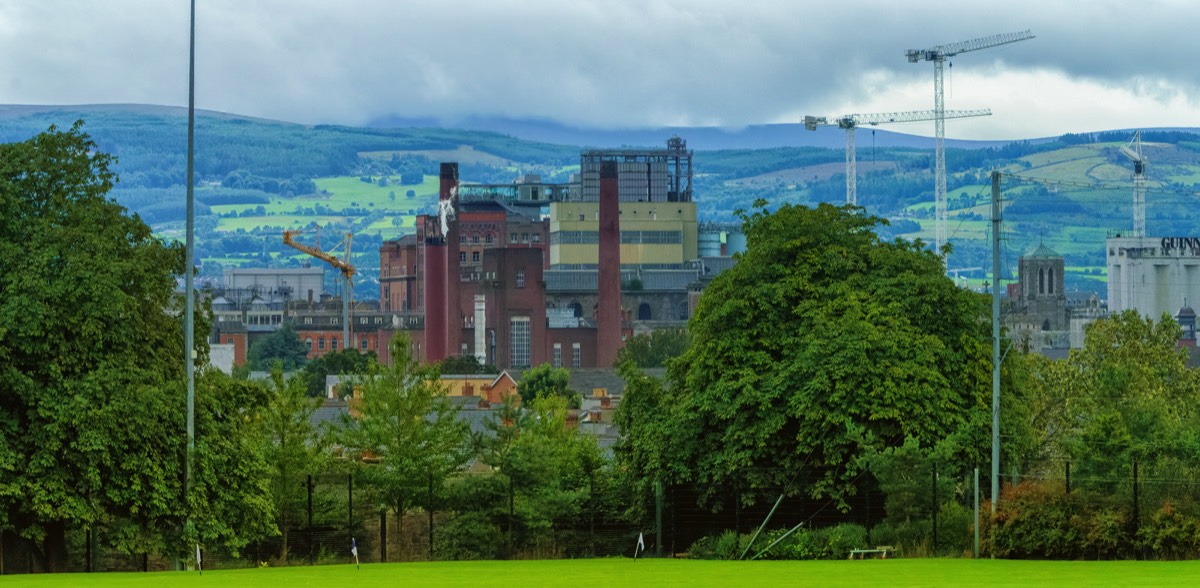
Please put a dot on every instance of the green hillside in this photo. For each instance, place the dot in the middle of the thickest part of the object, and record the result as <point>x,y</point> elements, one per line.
<point>256,178</point>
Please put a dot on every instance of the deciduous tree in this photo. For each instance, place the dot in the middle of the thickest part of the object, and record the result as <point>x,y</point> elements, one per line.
<point>823,343</point>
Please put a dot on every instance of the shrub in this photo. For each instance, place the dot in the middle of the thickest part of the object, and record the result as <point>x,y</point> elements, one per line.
<point>1171,534</point>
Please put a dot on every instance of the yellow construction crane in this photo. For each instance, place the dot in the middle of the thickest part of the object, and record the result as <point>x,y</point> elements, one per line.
<point>852,121</point>
<point>342,264</point>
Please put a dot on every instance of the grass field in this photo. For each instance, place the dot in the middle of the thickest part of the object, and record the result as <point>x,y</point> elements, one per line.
<point>660,573</point>
<point>627,573</point>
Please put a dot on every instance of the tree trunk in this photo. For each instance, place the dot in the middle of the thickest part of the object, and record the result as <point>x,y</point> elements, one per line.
<point>400,531</point>
<point>283,549</point>
<point>52,557</point>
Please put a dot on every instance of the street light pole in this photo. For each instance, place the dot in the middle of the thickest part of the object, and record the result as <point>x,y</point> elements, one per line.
<point>188,270</point>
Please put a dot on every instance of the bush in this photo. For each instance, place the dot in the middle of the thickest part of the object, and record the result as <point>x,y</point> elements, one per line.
<point>468,536</point>
<point>1171,534</point>
<point>727,545</point>
<point>828,543</point>
<point>838,540</point>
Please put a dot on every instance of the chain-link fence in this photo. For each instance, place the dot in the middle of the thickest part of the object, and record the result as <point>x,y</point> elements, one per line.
<point>1087,509</point>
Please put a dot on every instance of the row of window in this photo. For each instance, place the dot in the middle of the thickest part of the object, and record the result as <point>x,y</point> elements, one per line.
<point>576,355</point>
<point>512,238</point>
<point>627,237</point>
<point>333,320</point>
<point>363,343</point>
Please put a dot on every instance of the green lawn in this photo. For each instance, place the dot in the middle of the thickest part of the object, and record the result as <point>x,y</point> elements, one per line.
<point>657,573</point>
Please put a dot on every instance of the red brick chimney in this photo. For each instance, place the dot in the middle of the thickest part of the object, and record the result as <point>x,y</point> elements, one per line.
<point>608,307</point>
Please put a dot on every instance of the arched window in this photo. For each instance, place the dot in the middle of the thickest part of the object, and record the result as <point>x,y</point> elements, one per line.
<point>644,313</point>
<point>1046,325</point>
<point>1041,280</point>
<point>1050,281</point>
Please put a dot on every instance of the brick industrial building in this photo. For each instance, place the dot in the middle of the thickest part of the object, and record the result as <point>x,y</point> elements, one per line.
<point>527,273</point>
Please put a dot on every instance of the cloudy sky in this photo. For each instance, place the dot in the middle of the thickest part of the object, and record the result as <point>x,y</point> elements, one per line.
<point>616,63</point>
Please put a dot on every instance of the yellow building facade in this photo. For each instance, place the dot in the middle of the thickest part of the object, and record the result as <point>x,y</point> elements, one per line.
<point>653,234</point>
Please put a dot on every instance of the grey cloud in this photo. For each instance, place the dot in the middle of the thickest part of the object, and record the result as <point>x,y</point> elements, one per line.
<point>596,63</point>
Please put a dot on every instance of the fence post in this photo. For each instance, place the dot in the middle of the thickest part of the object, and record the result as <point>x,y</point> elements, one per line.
<point>1136,523</point>
<point>430,509</point>
<point>976,513</point>
<point>309,531</point>
<point>383,535</point>
<point>658,512</point>
<point>935,506</point>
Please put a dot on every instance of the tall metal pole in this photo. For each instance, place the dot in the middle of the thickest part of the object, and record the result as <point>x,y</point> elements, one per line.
<point>189,262</point>
<point>995,340</point>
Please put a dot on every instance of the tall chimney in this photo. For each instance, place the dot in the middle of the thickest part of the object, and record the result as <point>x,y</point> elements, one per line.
<point>608,307</point>
<point>448,199</point>
<point>439,300</point>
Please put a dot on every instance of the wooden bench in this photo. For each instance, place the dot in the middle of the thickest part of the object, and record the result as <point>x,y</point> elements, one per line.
<point>882,551</point>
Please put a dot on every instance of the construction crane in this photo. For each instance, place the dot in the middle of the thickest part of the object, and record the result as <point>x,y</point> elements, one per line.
<point>938,56</point>
<point>850,122</point>
<point>1139,182</point>
<point>342,264</point>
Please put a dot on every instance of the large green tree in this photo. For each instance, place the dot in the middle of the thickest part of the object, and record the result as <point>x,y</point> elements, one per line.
<point>294,448</point>
<point>1127,395</point>
<point>406,423</point>
<point>92,384</point>
<point>549,468</point>
<point>89,335</point>
<point>824,343</point>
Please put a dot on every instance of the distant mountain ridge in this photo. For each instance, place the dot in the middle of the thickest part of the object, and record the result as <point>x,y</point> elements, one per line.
<point>768,136</point>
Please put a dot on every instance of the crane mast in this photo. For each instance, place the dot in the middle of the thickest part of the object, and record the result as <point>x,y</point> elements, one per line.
<point>342,264</point>
<point>938,56</point>
<point>1134,152</point>
<point>850,122</point>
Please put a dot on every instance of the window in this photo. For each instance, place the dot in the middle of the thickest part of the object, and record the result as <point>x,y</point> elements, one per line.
<point>537,237</point>
<point>520,278</point>
<point>363,320</point>
<point>576,355</point>
<point>308,342</point>
<point>321,344</point>
<point>475,256</point>
<point>362,343</point>
<point>333,343</point>
<point>462,256</point>
<point>475,238</point>
<point>308,320</point>
<point>558,355</point>
<point>488,239</point>
<point>518,335</point>
<point>644,312</point>
<point>512,237</point>
<point>333,320</point>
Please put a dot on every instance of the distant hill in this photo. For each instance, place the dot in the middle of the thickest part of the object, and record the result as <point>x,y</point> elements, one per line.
<point>699,138</point>
<point>256,177</point>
